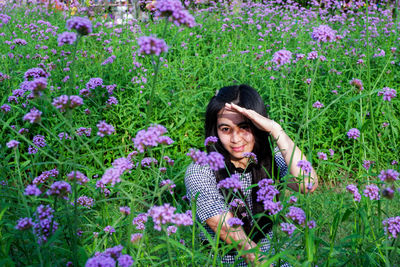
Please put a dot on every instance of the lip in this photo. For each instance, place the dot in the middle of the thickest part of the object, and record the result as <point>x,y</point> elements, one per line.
<point>238,148</point>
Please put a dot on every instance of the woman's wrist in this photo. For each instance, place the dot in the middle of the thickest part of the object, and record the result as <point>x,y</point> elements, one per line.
<point>276,130</point>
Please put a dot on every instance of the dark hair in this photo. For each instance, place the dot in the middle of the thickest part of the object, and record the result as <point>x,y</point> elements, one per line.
<point>246,97</point>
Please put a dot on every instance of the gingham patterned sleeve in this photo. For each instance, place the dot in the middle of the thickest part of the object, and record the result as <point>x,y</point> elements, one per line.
<point>201,180</point>
<point>281,164</point>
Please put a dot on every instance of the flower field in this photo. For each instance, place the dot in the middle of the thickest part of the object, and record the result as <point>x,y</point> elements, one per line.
<point>100,120</point>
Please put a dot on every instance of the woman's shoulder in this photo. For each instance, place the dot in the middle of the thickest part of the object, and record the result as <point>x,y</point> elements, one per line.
<point>195,168</point>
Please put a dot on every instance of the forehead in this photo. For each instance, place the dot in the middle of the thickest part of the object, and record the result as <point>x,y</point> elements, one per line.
<point>230,118</point>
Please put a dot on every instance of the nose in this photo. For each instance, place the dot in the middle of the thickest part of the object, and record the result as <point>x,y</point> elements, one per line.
<point>235,136</point>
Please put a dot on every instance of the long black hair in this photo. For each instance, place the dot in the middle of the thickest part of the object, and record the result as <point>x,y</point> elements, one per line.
<point>246,97</point>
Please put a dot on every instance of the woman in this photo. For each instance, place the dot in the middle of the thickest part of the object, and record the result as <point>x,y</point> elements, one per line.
<point>237,116</point>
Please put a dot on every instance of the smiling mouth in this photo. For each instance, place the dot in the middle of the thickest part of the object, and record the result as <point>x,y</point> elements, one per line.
<point>238,149</point>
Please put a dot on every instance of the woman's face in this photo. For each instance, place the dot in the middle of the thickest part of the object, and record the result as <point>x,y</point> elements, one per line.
<point>236,136</point>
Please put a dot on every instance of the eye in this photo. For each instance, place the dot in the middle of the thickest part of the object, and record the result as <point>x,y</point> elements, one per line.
<point>224,129</point>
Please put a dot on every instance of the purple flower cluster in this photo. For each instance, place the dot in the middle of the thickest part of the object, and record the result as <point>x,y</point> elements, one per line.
<point>297,215</point>
<point>272,207</point>
<point>353,133</point>
<point>33,116</point>
<point>388,93</point>
<point>12,144</point>
<point>125,210</point>
<point>169,184</point>
<point>24,224</point>
<point>93,83</point>
<point>165,214</point>
<point>148,161</point>
<point>323,33</point>
<point>78,176</point>
<point>19,41</point>
<point>149,45</point>
<point>311,224</point>
<point>288,228</point>
<point>85,201</point>
<point>109,230</point>
<point>354,190</point>
<point>267,191</point>
<point>318,105</point>
<point>45,223</point>
<point>108,60</point>
<point>124,164</point>
<point>215,160</point>
<point>252,157</point>
<point>112,175</point>
<point>82,25</point>
<point>392,226</point>
<point>104,129</point>
<point>136,237</point>
<point>4,19</point>
<point>64,102</point>
<point>237,203</point>
<point>282,57</point>
<point>372,191</point>
<point>232,182</point>
<point>139,221</point>
<point>358,84</point>
<point>60,189</point>
<point>84,131</point>
<point>322,155</point>
<point>35,73</point>
<point>235,222</point>
<point>151,137</point>
<point>367,164</point>
<point>5,108</point>
<point>39,140</point>
<point>111,257</point>
<point>175,12</point>
<point>388,175</point>
<point>44,176</point>
<point>66,38</point>
<point>32,190</point>
<point>305,166</point>
<point>171,230</point>
<point>209,141</point>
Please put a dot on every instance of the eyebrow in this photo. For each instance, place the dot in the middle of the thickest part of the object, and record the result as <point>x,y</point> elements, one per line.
<point>239,124</point>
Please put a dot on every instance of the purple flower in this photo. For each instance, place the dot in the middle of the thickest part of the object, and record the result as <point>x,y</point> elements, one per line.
<point>322,155</point>
<point>311,224</point>
<point>82,25</point>
<point>39,141</point>
<point>251,156</point>
<point>353,133</point>
<point>5,108</point>
<point>372,191</point>
<point>78,176</point>
<point>216,161</point>
<point>43,177</point>
<point>388,193</point>
<point>12,144</point>
<point>331,152</point>
<point>312,55</point>
<point>297,215</point>
<point>4,19</point>
<point>210,140</point>
<point>24,224</point>
<point>388,93</point>
<point>151,46</point>
<point>108,60</point>
<point>305,166</point>
<point>288,228</point>
<point>357,83</point>
<point>323,33</point>
<point>125,261</point>
<point>354,190</point>
<point>139,221</point>
<point>318,105</point>
<point>109,229</point>
<point>84,131</point>
<point>282,57</point>
<point>171,230</point>
<point>66,38</point>
<point>123,164</point>
<point>59,189</point>
<point>19,41</point>
<point>232,182</point>
<point>161,215</point>
<point>148,161</point>
<point>198,156</point>
<point>267,191</point>
<point>185,219</point>
<point>136,237</point>
<point>85,201</point>
<point>125,210</point>
<point>235,222</point>
<point>104,129</point>
<point>272,207</point>
<point>392,226</point>
<point>292,199</point>
<point>111,175</point>
<point>388,175</point>
<point>367,164</point>
<point>111,101</point>
<point>100,261</point>
<point>237,203</point>
<point>169,184</point>
<point>151,137</point>
<point>64,102</point>
<point>173,9</point>
<point>32,190</point>
<point>35,73</point>
<point>93,83</point>
<point>33,116</point>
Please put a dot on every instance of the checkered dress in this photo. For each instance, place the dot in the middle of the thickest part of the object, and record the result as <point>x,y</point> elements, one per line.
<point>201,180</point>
